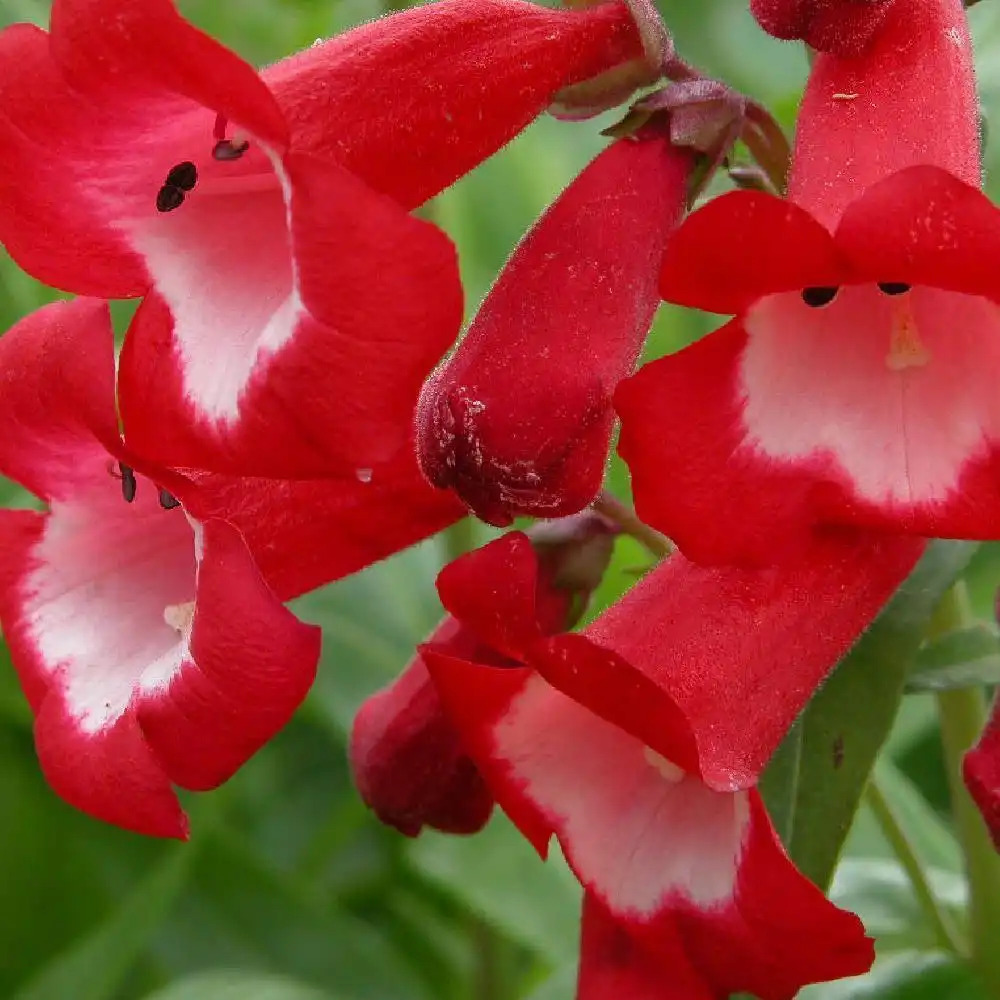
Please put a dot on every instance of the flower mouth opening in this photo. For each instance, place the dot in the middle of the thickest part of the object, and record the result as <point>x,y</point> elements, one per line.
<point>111,600</point>
<point>906,348</point>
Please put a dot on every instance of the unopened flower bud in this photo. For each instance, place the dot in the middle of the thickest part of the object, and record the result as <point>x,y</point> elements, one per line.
<point>843,27</point>
<point>519,419</point>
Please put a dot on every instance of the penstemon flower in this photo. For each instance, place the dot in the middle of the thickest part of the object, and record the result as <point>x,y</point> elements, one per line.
<point>159,163</point>
<point>637,746</point>
<point>518,420</point>
<point>856,384</point>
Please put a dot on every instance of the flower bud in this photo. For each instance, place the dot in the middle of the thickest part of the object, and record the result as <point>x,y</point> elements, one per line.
<point>407,757</point>
<point>519,419</point>
<point>843,27</point>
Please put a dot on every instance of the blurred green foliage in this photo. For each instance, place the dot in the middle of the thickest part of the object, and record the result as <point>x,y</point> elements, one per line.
<point>288,889</point>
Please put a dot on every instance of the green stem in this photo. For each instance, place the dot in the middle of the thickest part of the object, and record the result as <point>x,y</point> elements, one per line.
<point>459,538</point>
<point>963,713</point>
<point>621,514</point>
<point>906,853</point>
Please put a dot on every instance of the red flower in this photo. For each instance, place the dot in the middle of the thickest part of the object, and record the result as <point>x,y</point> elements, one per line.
<point>406,755</point>
<point>136,154</point>
<point>845,27</point>
<point>856,384</point>
<point>981,769</point>
<point>519,419</point>
<point>150,649</point>
<point>635,742</point>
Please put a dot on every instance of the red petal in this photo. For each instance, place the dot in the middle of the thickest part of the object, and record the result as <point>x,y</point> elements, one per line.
<point>494,591</point>
<point>924,226</point>
<point>659,662</point>
<point>981,770</point>
<point>413,101</point>
<point>613,966</point>
<point>744,245</point>
<point>308,533</point>
<point>143,48</point>
<point>321,377</point>
<point>852,105</point>
<point>57,403</point>
<point>406,755</point>
<point>582,284</point>
<point>251,662</point>
<point>112,774</point>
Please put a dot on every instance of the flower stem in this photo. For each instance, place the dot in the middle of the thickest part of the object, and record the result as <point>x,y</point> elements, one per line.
<point>963,713</point>
<point>621,514</point>
<point>906,853</point>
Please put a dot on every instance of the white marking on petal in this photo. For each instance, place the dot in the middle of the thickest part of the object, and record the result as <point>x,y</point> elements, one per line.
<point>94,604</point>
<point>222,262</point>
<point>816,384</point>
<point>633,830</point>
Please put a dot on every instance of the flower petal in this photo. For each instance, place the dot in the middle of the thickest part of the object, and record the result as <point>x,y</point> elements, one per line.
<point>981,769</point>
<point>131,91</point>
<point>924,226</point>
<point>57,393</point>
<point>413,101</point>
<point>250,363</point>
<point>581,284</point>
<point>743,245</point>
<point>406,755</point>
<point>304,534</point>
<point>667,856</point>
<point>613,965</point>
<point>247,663</point>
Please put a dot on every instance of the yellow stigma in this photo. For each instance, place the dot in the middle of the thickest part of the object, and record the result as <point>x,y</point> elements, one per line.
<point>906,350</point>
<point>179,616</point>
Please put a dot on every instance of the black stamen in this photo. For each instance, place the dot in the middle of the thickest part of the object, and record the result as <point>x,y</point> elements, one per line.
<point>183,176</point>
<point>168,198</point>
<point>168,501</point>
<point>819,295</point>
<point>894,287</point>
<point>226,149</point>
<point>128,482</point>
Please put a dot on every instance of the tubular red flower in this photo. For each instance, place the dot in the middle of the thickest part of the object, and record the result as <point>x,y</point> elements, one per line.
<point>598,739</point>
<point>844,27</point>
<point>407,757</point>
<point>981,770</point>
<point>158,160</point>
<point>519,419</point>
<point>854,386</point>
<point>149,647</point>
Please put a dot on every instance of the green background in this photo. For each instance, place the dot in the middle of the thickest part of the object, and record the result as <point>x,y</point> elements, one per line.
<point>288,889</point>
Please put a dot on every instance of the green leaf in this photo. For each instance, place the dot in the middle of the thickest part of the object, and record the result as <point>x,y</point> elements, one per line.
<point>847,722</point>
<point>906,976</point>
<point>560,986</point>
<point>230,984</point>
<point>498,875</point>
<point>968,657</point>
<point>94,968</point>
<point>931,837</point>
<point>879,891</point>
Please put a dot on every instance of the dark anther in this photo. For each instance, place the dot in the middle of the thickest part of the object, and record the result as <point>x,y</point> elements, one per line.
<point>168,198</point>
<point>168,501</point>
<point>226,149</point>
<point>819,295</point>
<point>183,176</point>
<point>894,287</point>
<point>128,482</point>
